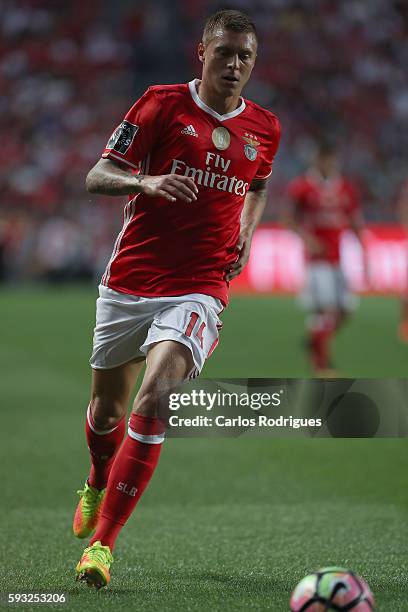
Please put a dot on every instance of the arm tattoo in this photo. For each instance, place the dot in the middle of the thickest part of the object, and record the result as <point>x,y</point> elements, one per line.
<point>109,178</point>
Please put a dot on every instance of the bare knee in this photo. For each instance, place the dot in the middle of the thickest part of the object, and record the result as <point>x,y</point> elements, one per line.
<point>167,365</point>
<point>152,401</point>
<point>106,412</point>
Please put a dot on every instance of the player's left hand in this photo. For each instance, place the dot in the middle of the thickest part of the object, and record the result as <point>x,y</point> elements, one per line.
<point>243,247</point>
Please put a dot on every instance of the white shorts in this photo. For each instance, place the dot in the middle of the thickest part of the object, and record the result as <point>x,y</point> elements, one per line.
<point>326,288</point>
<point>126,325</point>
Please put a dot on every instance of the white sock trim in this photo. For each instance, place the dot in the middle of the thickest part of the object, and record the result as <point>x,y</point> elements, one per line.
<point>146,438</point>
<point>98,432</point>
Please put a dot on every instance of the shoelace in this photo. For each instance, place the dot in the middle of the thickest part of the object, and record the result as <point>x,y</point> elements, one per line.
<point>89,499</point>
<point>99,553</point>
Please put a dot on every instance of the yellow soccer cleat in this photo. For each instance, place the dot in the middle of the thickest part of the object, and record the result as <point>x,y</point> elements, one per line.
<point>94,565</point>
<point>88,510</point>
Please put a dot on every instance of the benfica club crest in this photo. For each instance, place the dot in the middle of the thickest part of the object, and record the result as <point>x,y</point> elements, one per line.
<point>250,148</point>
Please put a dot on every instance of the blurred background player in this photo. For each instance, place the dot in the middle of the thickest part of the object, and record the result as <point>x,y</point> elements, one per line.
<point>402,207</point>
<point>322,205</point>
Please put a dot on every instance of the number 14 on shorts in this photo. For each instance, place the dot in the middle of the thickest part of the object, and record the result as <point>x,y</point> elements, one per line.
<point>194,317</point>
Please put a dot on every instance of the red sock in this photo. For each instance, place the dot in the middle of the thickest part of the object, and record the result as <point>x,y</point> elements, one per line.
<point>319,350</point>
<point>321,332</point>
<point>130,474</point>
<point>103,446</point>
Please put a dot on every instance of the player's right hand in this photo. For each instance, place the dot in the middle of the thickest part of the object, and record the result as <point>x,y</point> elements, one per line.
<point>172,187</point>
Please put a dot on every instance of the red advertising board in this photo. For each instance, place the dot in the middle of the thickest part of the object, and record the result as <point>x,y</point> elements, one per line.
<point>277,261</point>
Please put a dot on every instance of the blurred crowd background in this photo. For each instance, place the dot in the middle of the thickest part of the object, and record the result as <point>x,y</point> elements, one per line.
<point>70,70</point>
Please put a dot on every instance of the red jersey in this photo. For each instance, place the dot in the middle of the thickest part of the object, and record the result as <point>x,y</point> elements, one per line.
<point>324,208</point>
<point>168,249</point>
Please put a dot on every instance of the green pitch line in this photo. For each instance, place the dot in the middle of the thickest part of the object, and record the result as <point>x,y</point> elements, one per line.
<point>225,524</point>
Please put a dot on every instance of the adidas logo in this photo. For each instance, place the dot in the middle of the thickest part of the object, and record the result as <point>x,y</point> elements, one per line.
<point>189,129</point>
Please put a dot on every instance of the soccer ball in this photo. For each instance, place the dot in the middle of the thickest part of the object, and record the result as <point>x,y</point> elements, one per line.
<point>332,588</point>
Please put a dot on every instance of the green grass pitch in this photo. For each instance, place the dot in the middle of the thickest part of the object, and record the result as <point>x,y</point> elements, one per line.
<point>227,524</point>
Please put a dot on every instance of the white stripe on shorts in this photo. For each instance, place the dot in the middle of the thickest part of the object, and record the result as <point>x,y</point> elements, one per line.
<point>128,216</point>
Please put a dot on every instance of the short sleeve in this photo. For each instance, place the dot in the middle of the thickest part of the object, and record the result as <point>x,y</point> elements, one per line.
<point>134,138</point>
<point>265,167</point>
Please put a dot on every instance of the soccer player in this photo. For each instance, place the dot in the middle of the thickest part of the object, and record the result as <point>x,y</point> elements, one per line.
<point>402,207</point>
<point>193,160</point>
<point>322,203</point>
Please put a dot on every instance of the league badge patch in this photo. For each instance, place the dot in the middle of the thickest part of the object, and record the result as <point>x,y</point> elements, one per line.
<point>122,137</point>
<point>221,138</point>
<point>250,148</point>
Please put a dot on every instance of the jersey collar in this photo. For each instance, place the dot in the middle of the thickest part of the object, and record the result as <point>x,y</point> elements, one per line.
<point>194,94</point>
